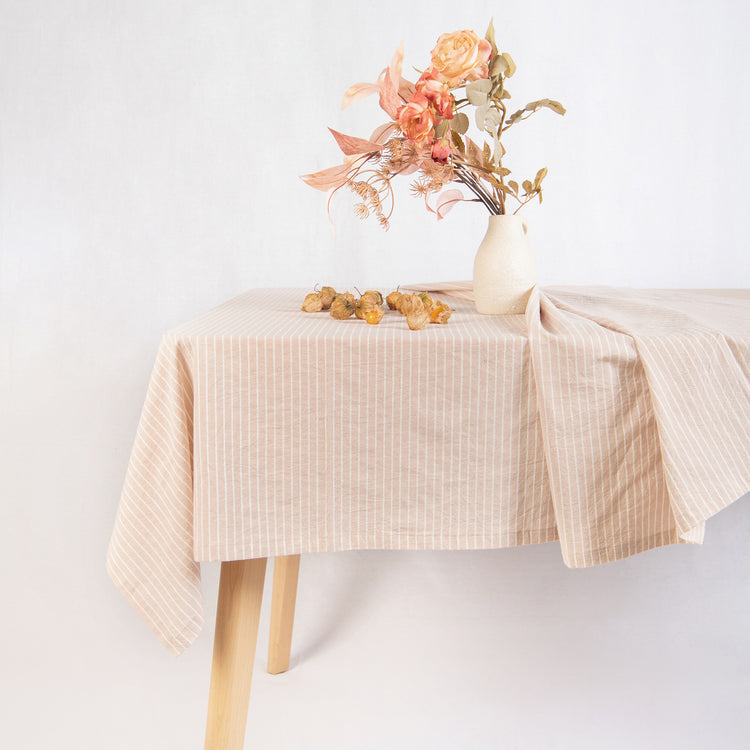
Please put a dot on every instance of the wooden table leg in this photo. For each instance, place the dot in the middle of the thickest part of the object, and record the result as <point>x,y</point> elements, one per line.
<point>285,573</point>
<point>237,616</point>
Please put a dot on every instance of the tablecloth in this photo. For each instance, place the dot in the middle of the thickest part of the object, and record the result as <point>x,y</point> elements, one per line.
<point>615,420</point>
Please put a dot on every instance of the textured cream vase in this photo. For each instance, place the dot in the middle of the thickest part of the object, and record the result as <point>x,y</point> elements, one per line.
<point>505,268</point>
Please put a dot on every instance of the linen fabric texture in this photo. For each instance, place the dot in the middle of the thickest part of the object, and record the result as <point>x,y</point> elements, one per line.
<point>613,420</point>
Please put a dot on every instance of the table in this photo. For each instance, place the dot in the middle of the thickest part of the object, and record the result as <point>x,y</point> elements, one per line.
<point>613,420</point>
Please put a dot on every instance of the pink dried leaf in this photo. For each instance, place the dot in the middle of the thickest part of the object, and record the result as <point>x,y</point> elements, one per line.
<point>353,146</point>
<point>445,202</point>
<point>394,71</point>
<point>390,101</point>
<point>328,179</point>
<point>382,133</point>
<point>358,91</point>
<point>406,89</point>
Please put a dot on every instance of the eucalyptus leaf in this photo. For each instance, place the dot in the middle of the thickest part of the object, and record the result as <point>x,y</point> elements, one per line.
<point>528,187</point>
<point>477,91</point>
<point>511,65</point>
<point>440,128</point>
<point>480,114</point>
<point>477,98</point>
<point>460,123</point>
<point>505,94</point>
<point>499,66</point>
<point>492,120</point>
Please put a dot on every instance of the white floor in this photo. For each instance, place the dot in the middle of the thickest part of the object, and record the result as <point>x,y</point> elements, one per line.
<point>497,649</point>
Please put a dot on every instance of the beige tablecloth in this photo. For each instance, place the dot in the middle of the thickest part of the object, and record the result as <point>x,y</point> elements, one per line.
<point>614,420</point>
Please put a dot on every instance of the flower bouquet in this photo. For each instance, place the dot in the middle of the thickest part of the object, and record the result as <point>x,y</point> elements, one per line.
<point>426,135</point>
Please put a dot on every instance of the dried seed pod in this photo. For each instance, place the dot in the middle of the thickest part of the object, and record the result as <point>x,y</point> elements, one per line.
<point>418,319</point>
<point>361,307</point>
<point>312,302</point>
<point>439,312</point>
<point>374,295</point>
<point>426,300</point>
<point>393,299</point>
<point>327,294</point>
<point>374,316</point>
<point>411,303</point>
<point>366,303</point>
<point>342,307</point>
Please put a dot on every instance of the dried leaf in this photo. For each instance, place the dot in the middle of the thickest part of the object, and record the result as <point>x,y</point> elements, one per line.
<point>480,113</point>
<point>382,133</point>
<point>527,186</point>
<point>495,182</point>
<point>458,142</point>
<point>511,64</point>
<point>352,146</point>
<point>554,106</point>
<point>406,89</point>
<point>358,91</point>
<point>445,202</point>
<point>492,121</point>
<point>460,123</point>
<point>540,175</point>
<point>389,98</point>
<point>499,66</point>
<point>513,186</point>
<point>549,103</point>
<point>490,36</point>
<point>477,91</point>
<point>440,128</point>
<point>394,70</point>
<point>473,152</point>
<point>329,178</point>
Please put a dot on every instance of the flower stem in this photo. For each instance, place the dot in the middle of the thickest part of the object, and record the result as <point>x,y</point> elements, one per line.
<point>464,176</point>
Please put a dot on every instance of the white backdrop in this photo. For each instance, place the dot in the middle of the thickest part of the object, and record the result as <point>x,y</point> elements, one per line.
<point>149,161</point>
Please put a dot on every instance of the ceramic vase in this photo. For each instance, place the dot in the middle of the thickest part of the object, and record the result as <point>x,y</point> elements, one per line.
<point>504,267</point>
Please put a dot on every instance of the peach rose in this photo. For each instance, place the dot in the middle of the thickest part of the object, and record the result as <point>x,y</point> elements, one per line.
<point>461,56</point>
<point>437,92</point>
<point>415,119</point>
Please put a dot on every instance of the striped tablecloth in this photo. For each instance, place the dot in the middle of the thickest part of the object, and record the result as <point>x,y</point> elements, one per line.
<point>614,420</point>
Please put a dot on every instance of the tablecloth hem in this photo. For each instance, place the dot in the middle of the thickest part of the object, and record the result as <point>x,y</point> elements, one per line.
<point>413,543</point>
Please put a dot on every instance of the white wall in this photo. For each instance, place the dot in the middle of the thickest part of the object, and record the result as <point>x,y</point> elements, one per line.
<point>149,153</point>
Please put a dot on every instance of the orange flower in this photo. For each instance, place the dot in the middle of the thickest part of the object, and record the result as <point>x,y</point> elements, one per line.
<point>441,150</point>
<point>461,56</point>
<point>416,120</point>
<point>437,92</point>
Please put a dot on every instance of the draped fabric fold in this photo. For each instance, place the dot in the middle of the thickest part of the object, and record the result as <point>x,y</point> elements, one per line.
<point>614,420</point>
